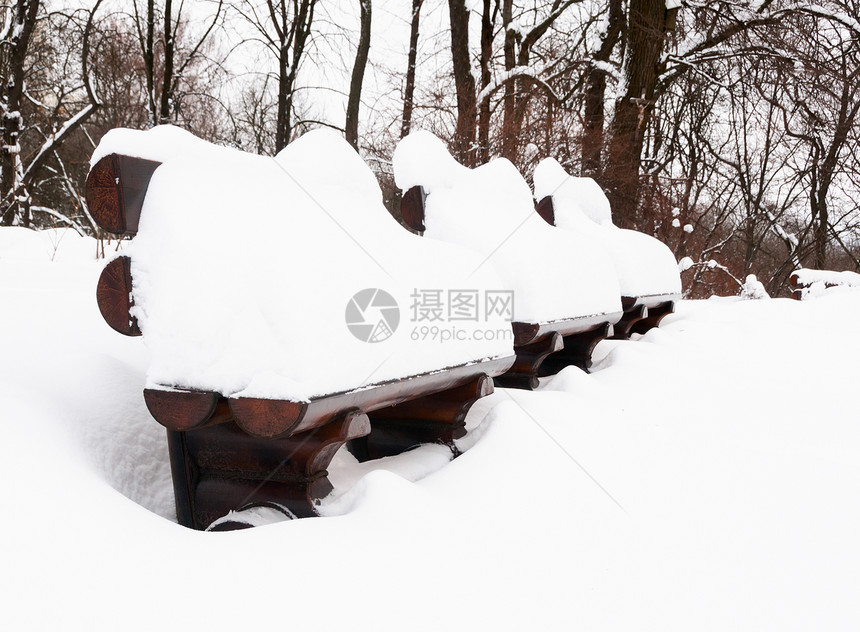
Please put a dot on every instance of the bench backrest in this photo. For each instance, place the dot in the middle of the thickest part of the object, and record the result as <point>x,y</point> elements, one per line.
<point>644,265</point>
<point>556,275</point>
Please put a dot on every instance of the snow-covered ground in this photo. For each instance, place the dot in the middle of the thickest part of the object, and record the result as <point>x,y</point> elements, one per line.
<point>705,476</point>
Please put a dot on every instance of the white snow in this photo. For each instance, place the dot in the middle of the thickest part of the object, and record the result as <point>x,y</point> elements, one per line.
<point>644,265</point>
<point>753,289</point>
<point>728,437</point>
<point>685,264</point>
<point>814,283</point>
<point>161,143</point>
<point>490,209</point>
<point>243,268</point>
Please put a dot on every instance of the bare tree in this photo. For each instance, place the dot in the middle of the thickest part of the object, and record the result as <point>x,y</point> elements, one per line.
<point>21,162</point>
<point>409,90</point>
<point>354,100</point>
<point>284,27</point>
<point>165,55</point>
<point>464,82</point>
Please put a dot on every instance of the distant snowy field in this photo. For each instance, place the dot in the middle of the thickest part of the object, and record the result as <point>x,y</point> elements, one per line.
<point>705,476</point>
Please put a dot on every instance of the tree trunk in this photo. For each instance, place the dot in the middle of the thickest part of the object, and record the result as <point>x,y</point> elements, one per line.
<point>409,92</point>
<point>12,92</point>
<point>486,78</point>
<point>646,33</point>
<point>358,69</point>
<point>292,36</point>
<point>149,60</point>
<point>464,82</point>
<point>285,98</point>
<point>595,91</point>
<point>164,114</point>
<point>509,100</point>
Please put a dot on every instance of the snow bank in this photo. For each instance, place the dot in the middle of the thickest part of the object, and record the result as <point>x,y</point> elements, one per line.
<point>736,508</point>
<point>56,244</point>
<point>244,267</point>
<point>644,265</point>
<point>554,274</point>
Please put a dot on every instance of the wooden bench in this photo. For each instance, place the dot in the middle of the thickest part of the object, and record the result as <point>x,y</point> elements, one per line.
<point>232,453</point>
<point>806,282</point>
<point>642,312</point>
<point>542,348</point>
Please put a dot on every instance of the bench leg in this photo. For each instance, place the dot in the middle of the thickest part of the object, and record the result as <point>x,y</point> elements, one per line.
<point>624,327</point>
<point>219,469</point>
<point>524,372</point>
<point>577,351</point>
<point>436,418</point>
<point>655,315</point>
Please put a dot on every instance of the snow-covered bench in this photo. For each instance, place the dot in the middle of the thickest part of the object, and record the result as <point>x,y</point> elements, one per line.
<point>808,283</point>
<point>566,295</point>
<point>245,277</point>
<point>648,275</point>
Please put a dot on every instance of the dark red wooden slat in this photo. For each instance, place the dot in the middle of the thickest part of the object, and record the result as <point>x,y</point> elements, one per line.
<point>218,469</point>
<point>624,327</point>
<point>276,418</point>
<point>267,417</point>
<point>113,295</point>
<point>655,316</point>
<point>436,418</point>
<point>546,210</point>
<point>412,209</point>
<point>578,349</point>
<point>115,189</point>
<point>523,373</point>
<point>527,333</point>
<point>182,410</point>
<point>450,406</point>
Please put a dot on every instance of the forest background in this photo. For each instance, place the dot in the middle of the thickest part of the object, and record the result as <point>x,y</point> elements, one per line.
<point>726,128</point>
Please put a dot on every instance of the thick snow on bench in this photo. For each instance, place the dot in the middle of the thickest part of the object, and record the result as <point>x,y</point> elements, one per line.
<point>161,144</point>
<point>813,283</point>
<point>243,268</point>
<point>645,266</point>
<point>554,273</point>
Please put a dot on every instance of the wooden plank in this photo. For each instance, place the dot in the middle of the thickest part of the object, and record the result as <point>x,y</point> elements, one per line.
<point>268,417</point>
<point>412,209</point>
<point>437,418</point>
<point>260,418</point>
<point>524,372</point>
<point>114,296</point>
<point>115,190</point>
<point>183,410</point>
<point>577,351</point>
<point>624,327</point>
<point>629,303</point>
<point>546,210</point>
<point>655,316</point>
<point>219,469</point>
<point>527,333</point>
